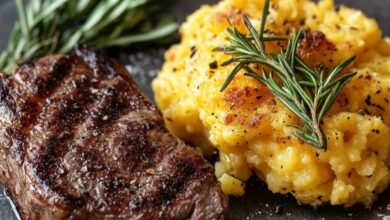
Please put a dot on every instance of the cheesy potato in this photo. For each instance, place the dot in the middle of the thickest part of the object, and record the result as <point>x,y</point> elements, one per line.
<point>249,126</point>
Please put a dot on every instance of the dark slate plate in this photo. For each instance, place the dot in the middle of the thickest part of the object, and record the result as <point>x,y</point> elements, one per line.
<point>259,202</point>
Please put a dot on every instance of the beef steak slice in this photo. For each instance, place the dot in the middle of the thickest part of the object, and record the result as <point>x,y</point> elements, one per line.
<point>79,141</point>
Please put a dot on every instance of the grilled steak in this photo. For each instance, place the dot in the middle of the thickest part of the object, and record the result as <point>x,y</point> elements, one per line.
<point>79,141</point>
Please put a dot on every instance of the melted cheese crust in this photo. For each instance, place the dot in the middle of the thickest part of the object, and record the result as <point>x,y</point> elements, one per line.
<point>249,126</point>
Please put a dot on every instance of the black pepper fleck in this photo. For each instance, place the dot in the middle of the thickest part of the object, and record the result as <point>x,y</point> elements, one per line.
<point>368,100</point>
<point>380,107</point>
<point>213,65</point>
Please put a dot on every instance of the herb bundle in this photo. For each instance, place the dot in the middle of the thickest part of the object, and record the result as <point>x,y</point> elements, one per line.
<point>306,91</point>
<point>56,26</point>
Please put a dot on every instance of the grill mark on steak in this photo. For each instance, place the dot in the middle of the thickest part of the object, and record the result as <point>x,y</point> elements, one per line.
<point>41,86</point>
<point>70,112</point>
<point>169,186</point>
<point>97,62</point>
<point>45,76</point>
<point>45,167</point>
<point>90,146</point>
<point>57,74</point>
<point>100,63</point>
<point>28,107</point>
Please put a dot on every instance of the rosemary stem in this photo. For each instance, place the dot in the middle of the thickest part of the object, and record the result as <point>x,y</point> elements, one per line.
<point>57,26</point>
<point>316,124</point>
<point>306,91</point>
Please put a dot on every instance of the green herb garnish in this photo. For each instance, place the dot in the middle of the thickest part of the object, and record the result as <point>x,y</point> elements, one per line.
<point>306,91</point>
<point>56,26</point>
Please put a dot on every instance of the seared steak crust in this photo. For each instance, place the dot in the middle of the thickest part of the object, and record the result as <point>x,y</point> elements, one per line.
<point>79,141</point>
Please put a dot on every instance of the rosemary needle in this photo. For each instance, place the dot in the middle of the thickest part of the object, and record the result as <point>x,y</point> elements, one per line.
<point>306,91</point>
<point>56,26</point>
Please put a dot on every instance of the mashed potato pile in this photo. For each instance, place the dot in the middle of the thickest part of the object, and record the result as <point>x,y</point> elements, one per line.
<point>249,126</point>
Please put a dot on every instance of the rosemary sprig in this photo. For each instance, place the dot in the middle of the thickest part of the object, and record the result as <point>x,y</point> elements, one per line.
<point>56,26</point>
<point>306,91</point>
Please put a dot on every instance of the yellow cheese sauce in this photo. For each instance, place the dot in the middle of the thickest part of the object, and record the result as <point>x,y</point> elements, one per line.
<point>250,127</point>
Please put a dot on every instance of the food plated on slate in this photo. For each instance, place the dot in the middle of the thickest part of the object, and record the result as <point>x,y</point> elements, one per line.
<point>293,93</point>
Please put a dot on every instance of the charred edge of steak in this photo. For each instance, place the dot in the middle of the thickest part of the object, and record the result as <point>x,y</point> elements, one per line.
<point>79,141</point>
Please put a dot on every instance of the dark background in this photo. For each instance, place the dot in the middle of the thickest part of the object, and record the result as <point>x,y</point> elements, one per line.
<point>258,203</point>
